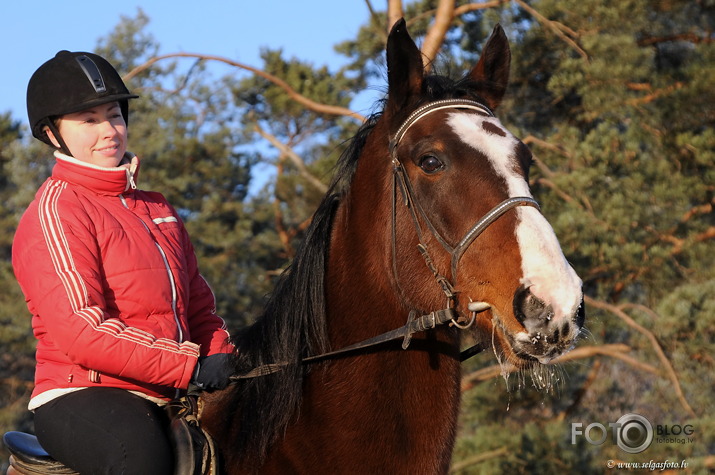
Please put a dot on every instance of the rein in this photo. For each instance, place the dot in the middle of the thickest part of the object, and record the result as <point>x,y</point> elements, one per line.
<point>438,317</point>
<point>413,325</point>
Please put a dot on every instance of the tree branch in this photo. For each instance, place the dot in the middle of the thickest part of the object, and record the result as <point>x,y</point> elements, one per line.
<point>460,10</point>
<point>554,26</point>
<point>299,98</point>
<point>701,209</point>
<point>562,194</point>
<point>581,392</point>
<point>283,235</point>
<point>582,200</point>
<point>655,94</point>
<point>670,371</point>
<point>615,350</point>
<point>544,144</point>
<point>471,7</point>
<point>16,382</point>
<point>294,158</point>
<point>394,13</point>
<point>679,243</point>
<point>690,37</point>
<point>478,458</point>
<point>444,15</point>
<point>435,35</point>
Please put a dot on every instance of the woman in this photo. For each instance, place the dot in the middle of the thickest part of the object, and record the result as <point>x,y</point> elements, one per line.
<point>124,321</point>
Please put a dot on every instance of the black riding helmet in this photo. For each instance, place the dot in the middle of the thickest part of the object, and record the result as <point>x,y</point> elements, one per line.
<point>71,82</point>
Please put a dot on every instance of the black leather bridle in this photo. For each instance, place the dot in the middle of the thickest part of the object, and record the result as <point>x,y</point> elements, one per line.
<point>435,318</point>
<point>402,181</point>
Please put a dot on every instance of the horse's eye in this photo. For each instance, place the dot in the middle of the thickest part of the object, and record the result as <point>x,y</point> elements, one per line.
<point>430,164</point>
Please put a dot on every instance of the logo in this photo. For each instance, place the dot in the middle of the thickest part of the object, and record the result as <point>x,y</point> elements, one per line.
<point>632,433</point>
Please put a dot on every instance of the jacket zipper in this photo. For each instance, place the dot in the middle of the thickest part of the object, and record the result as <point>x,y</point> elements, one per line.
<point>168,271</point>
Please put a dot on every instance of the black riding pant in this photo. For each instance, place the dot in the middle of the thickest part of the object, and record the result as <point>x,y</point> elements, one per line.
<point>106,430</point>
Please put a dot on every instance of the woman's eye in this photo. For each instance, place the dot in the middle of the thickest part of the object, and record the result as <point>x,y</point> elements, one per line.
<point>430,164</point>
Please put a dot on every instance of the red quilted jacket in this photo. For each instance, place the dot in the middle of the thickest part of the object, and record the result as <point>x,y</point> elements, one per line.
<point>112,282</point>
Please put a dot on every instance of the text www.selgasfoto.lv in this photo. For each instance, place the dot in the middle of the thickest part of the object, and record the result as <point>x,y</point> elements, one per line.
<point>650,465</point>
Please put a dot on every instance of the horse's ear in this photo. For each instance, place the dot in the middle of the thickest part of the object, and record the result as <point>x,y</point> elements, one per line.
<point>404,68</point>
<point>492,70</point>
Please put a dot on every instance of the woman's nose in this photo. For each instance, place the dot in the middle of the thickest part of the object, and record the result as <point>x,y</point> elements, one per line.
<point>108,128</point>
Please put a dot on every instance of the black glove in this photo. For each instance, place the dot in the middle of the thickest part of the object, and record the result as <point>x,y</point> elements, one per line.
<point>213,372</point>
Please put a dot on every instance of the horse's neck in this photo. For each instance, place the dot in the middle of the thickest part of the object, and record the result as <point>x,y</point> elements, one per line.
<point>384,411</point>
<point>397,407</point>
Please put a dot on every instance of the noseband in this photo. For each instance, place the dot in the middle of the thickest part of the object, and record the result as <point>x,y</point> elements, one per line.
<point>456,251</point>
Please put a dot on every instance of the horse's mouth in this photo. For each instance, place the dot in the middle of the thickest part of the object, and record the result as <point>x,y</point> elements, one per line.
<point>524,349</point>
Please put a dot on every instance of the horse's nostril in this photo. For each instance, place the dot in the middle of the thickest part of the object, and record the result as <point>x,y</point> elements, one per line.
<point>530,310</point>
<point>581,315</point>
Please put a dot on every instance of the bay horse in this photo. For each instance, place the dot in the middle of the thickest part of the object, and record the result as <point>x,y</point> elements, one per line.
<point>429,220</point>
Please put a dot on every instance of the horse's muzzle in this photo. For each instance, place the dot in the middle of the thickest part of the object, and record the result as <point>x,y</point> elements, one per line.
<point>546,334</point>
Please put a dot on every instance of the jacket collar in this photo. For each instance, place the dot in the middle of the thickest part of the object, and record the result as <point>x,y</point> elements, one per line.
<point>101,180</point>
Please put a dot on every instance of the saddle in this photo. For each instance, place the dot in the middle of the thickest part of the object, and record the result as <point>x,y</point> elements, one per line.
<point>29,458</point>
<point>194,450</point>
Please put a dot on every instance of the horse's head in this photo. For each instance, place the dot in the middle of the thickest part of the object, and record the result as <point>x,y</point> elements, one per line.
<point>464,179</point>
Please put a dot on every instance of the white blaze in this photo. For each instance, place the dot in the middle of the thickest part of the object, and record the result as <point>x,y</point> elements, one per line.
<point>544,267</point>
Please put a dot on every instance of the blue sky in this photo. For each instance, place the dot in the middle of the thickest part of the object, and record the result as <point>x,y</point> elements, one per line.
<point>32,32</point>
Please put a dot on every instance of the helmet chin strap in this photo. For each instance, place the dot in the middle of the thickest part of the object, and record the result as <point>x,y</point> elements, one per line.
<point>55,131</point>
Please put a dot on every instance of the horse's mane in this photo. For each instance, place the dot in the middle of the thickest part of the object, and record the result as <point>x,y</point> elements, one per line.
<point>291,328</point>
<point>293,325</point>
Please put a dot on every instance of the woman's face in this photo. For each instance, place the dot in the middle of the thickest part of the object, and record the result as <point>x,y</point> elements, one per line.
<point>97,135</point>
